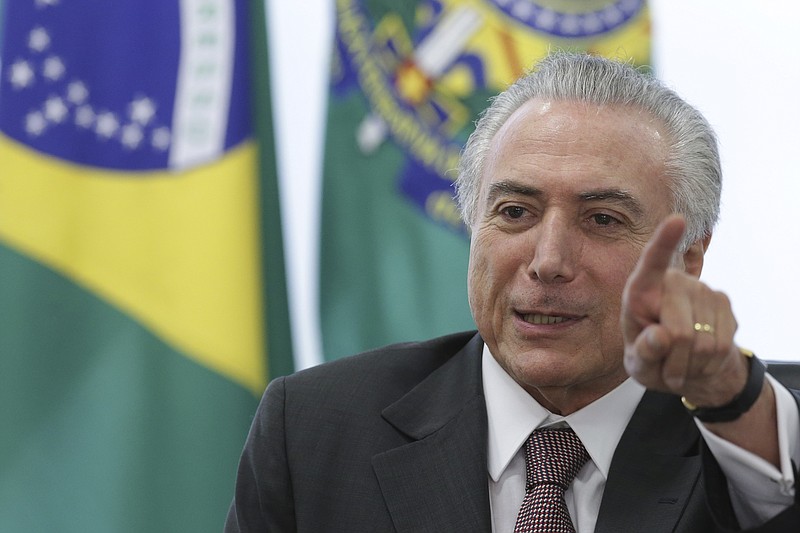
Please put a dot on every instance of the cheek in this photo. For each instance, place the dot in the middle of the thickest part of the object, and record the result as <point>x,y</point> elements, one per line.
<point>476,282</point>
<point>483,279</point>
<point>614,283</point>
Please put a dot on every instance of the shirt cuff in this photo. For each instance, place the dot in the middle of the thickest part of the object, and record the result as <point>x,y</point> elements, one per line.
<point>758,490</point>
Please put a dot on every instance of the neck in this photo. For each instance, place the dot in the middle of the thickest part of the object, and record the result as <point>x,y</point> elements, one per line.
<point>566,400</point>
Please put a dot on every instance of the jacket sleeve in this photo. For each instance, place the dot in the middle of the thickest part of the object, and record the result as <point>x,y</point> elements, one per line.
<point>263,498</point>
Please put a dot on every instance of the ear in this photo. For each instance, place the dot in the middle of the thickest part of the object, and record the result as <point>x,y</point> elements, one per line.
<point>693,257</point>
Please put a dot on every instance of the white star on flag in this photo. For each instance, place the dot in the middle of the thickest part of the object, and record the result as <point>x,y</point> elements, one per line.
<point>53,68</point>
<point>161,138</point>
<point>84,116</point>
<point>142,110</point>
<point>35,123</point>
<point>38,39</point>
<point>77,93</point>
<point>131,135</point>
<point>55,110</point>
<point>21,74</point>
<point>106,125</point>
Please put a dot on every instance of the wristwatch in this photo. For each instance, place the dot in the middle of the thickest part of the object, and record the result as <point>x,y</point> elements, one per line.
<point>741,403</point>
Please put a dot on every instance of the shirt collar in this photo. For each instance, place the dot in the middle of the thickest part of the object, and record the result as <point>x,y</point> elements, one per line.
<point>513,414</point>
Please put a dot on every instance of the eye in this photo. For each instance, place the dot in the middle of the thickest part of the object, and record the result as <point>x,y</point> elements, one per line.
<point>602,219</point>
<point>514,211</point>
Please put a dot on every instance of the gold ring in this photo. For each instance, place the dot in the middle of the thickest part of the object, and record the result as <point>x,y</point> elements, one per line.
<point>705,328</point>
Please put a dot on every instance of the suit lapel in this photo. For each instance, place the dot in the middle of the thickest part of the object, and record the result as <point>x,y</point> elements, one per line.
<point>438,481</point>
<point>655,469</point>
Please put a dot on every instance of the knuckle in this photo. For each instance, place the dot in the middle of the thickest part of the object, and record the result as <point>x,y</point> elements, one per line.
<point>724,300</point>
<point>683,336</point>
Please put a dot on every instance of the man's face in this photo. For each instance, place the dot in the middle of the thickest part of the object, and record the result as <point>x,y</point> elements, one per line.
<point>570,195</point>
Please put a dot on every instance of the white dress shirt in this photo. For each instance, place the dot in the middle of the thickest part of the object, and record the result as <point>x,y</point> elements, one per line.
<point>758,489</point>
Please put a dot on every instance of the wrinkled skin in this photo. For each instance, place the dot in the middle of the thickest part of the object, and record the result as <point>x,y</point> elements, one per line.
<point>571,194</point>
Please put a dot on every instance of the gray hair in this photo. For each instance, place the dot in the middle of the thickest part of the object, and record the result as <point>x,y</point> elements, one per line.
<point>692,161</point>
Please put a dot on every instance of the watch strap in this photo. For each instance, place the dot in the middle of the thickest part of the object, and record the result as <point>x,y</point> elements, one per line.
<point>741,403</point>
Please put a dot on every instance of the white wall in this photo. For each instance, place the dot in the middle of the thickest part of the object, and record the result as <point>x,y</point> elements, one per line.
<point>736,60</point>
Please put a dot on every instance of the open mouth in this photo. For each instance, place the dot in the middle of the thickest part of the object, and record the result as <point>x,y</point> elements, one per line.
<point>535,318</point>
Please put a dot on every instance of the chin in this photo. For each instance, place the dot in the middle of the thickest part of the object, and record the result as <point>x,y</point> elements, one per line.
<point>543,369</point>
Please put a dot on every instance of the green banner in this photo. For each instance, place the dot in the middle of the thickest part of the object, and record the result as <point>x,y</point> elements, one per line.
<point>407,83</point>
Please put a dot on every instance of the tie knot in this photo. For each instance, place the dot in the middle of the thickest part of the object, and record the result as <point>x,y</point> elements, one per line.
<point>554,456</point>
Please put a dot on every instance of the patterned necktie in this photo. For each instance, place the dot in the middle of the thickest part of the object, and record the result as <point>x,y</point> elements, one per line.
<point>553,458</point>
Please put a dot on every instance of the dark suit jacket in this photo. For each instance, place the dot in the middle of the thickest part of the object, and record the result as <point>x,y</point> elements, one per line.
<point>395,440</point>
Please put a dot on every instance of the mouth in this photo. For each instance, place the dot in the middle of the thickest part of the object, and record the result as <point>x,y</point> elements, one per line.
<point>536,318</point>
<point>540,319</point>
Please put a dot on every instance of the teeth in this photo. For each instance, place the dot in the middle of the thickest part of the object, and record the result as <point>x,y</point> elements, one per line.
<point>543,319</point>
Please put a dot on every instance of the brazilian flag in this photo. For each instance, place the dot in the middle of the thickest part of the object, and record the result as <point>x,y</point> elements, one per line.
<point>408,81</point>
<point>141,274</point>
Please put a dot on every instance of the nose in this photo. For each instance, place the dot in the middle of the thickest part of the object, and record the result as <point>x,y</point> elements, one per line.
<point>554,251</point>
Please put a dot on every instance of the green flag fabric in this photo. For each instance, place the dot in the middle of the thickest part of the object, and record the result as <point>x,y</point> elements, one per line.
<point>141,271</point>
<point>408,80</point>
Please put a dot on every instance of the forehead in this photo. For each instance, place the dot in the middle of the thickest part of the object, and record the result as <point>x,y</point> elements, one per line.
<point>566,144</point>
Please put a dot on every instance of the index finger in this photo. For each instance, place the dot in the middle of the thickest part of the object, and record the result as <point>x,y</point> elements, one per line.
<point>657,255</point>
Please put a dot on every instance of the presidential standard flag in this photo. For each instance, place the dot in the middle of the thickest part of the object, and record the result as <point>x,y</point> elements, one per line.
<point>133,325</point>
<point>407,83</point>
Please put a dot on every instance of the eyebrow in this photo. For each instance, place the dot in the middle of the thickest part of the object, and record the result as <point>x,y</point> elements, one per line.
<point>506,188</point>
<point>615,196</point>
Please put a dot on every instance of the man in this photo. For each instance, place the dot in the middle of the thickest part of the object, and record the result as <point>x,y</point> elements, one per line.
<point>580,276</point>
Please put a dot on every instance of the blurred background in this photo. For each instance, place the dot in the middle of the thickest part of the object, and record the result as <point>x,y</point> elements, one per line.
<point>198,196</point>
<point>734,60</point>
